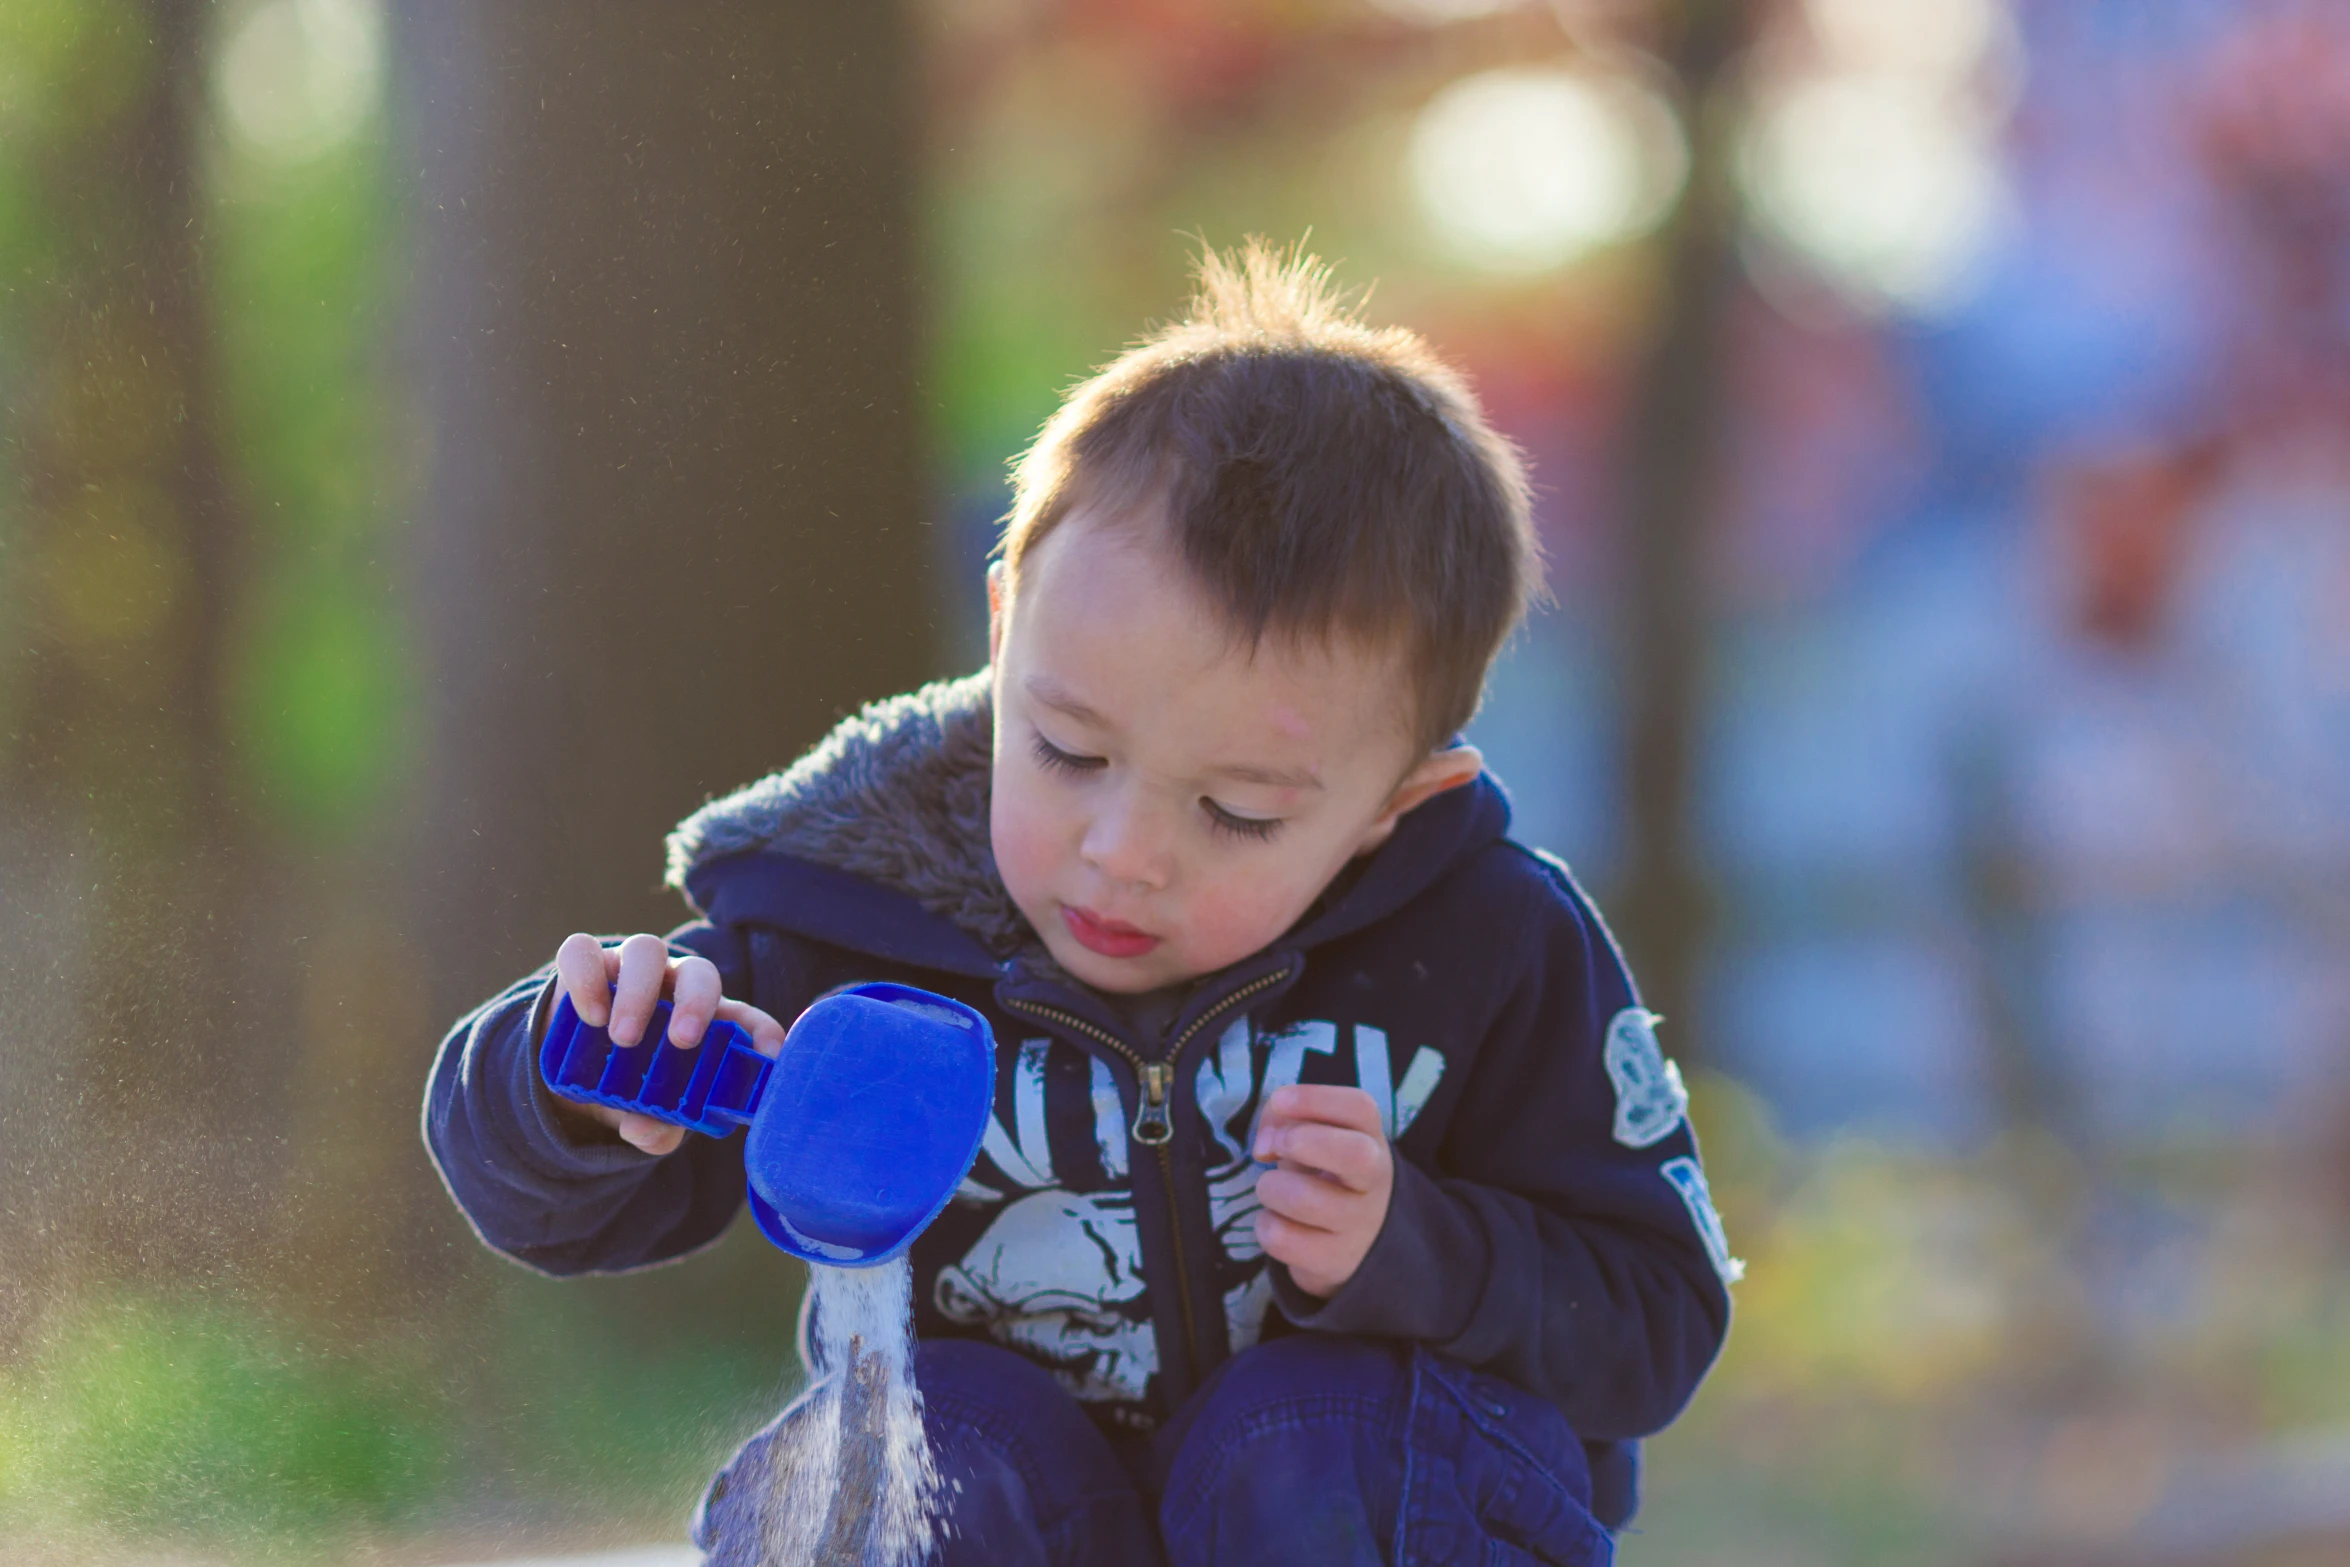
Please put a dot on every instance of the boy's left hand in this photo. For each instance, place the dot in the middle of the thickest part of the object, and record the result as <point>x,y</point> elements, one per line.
<point>1326,1201</point>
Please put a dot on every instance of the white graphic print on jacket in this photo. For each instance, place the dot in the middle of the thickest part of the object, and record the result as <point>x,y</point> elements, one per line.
<point>1059,1273</point>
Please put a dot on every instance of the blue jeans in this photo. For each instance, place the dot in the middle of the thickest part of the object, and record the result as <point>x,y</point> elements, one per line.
<point>1311,1448</point>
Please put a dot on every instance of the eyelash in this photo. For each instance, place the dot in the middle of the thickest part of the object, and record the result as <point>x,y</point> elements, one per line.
<point>1249,827</point>
<point>1055,760</point>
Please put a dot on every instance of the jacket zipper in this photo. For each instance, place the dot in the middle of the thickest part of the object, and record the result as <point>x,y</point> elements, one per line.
<point>1153,1127</point>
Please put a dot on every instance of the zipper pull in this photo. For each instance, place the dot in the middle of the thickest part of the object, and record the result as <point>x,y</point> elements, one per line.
<point>1151,1126</point>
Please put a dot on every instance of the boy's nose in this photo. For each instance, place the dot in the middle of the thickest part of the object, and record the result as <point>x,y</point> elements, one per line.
<point>1122,846</point>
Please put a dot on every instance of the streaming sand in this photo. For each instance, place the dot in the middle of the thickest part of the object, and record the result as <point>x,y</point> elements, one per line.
<point>851,1480</point>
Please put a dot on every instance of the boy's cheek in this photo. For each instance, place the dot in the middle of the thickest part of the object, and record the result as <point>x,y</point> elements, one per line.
<point>1226,923</point>
<point>1024,850</point>
<point>1244,911</point>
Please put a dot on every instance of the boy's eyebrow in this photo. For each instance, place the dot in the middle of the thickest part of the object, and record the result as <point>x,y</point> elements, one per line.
<point>1057,697</point>
<point>1274,777</point>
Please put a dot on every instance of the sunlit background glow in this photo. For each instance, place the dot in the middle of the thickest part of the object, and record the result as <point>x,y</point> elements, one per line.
<point>1522,170</point>
<point>298,78</point>
<point>1877,160</point>
<point>1933,40</point>
<point>1435,13</point>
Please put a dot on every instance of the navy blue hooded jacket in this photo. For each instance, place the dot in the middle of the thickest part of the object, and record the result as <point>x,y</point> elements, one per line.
<point>1550,1222</point>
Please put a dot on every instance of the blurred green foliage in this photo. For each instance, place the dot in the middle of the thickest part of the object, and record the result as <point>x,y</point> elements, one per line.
<point>302,259</point>
<point>210,1424</point>
<point>192,1417</point>
<point>599,1412</point>
<point>67,68</point>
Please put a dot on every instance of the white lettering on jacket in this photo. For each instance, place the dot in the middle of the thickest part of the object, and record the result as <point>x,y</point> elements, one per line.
<point>1058,1273</point>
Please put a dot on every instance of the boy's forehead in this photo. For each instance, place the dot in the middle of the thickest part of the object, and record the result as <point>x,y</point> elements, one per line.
<point>1109,627</point>
<point>1123,563</point>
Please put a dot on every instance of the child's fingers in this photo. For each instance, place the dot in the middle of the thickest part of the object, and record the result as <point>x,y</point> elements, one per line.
<point>644,966</point>
<point>766,1034</point>
<point>1287,1241</point>
<point>580,967</point>
<point>694,990</point>
<point>648,1135</point>
<point>1319,1261</point>
<point>1284,1239</point>
<point>1310,1200</point>
<point>1327,1103</point>
<point>1351,1158</point>
<point>1312,1256</point>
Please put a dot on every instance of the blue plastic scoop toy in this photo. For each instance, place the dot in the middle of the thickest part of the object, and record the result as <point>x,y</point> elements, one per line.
<point>861,1129</point>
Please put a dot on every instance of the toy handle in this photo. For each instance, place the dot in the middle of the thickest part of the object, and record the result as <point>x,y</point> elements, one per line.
<point>712,1088</point>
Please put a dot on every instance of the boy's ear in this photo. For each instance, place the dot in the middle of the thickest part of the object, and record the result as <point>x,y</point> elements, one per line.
<point>995,610</point>
<point>1442,770</point>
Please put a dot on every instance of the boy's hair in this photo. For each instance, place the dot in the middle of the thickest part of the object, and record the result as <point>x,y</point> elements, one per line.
<point>1320,478</point>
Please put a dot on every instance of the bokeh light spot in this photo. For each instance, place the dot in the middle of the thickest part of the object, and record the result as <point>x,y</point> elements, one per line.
<point>1435,13</point>
<point>1526,169</point>
<point>298,78</point>
<point>1891,191</point>
<point>1939,39</point>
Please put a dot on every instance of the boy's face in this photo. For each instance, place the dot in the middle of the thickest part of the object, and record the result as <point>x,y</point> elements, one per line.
<point>1166,803</point>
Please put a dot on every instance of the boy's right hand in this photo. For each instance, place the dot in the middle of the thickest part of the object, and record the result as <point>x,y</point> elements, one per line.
<point>615,989</point>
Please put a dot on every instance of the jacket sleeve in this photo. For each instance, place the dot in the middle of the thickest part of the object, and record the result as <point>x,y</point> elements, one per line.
<point>551,1197</point>
<point>1537,1243</point>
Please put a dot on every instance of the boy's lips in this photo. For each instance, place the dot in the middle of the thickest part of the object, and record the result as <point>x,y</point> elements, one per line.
<point>1111,938</point>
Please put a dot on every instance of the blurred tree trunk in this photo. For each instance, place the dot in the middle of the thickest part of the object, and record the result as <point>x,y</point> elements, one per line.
<point>1670,503</point>
<point>138,1055</point>
<point>673,517</point>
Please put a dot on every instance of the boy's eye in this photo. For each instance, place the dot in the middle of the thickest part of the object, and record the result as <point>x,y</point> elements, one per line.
<point>1055,760</point>
<point>1258,828</point>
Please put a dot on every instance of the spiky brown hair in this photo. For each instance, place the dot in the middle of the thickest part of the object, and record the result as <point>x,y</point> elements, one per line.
<point>1321,478</point>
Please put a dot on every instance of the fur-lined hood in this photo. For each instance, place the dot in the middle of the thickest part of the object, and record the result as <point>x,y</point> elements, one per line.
<point>897,795</point>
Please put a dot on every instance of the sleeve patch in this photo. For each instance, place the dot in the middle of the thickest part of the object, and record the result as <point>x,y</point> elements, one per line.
<point>1688,1178</point>
<point>1650,1100</point>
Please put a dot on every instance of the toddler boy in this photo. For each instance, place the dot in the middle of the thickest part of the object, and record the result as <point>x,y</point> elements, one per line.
<point>1337,1205</point>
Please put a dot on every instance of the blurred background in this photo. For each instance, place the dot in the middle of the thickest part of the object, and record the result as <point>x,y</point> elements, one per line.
<point>442,442</point>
